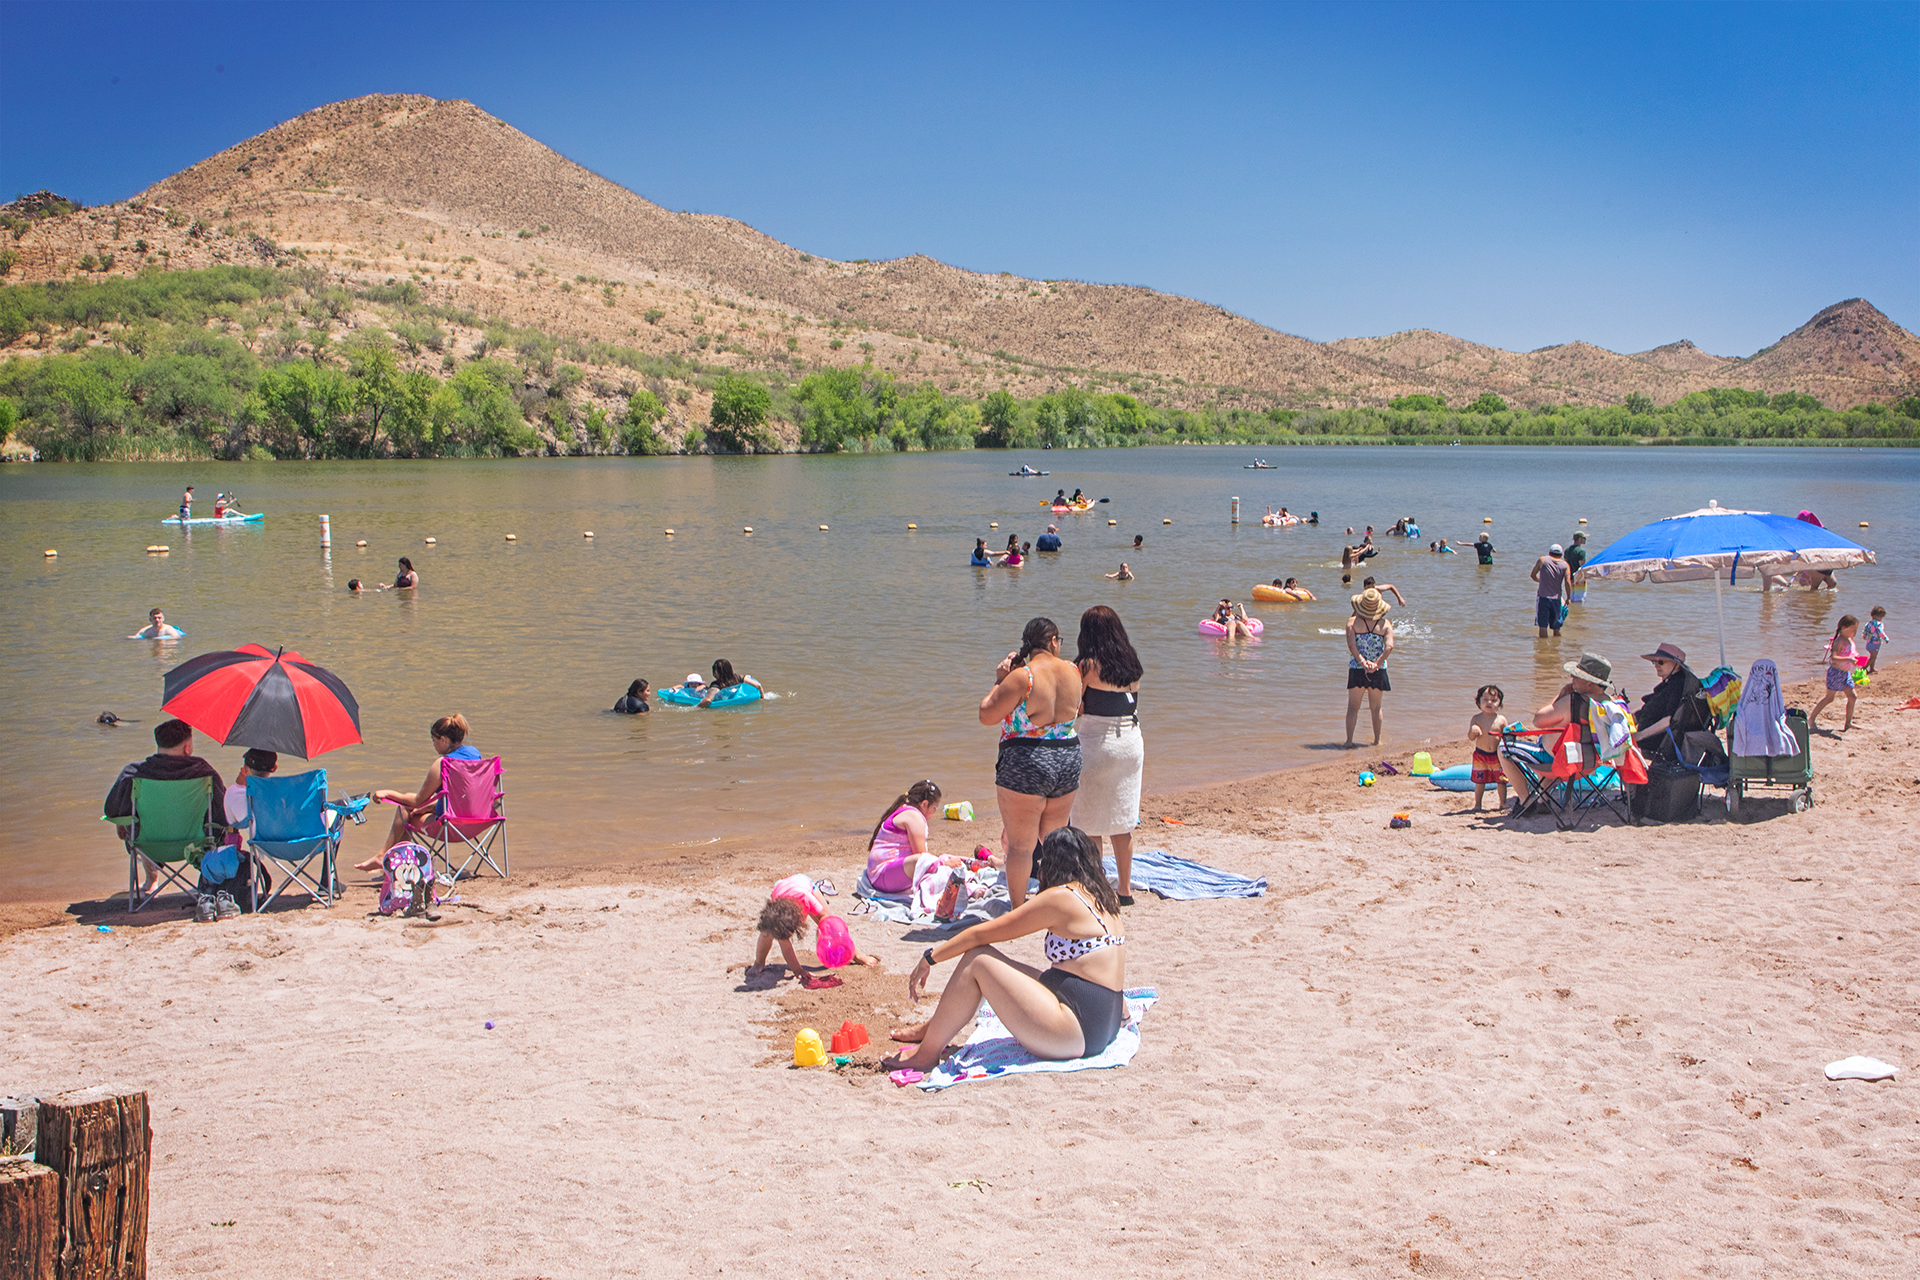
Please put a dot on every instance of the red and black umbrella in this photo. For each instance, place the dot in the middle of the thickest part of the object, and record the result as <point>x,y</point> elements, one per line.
<point>248,697</point>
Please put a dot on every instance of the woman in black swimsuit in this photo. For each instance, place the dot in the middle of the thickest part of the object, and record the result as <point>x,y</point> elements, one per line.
<point>1035,700</point>
<point>1071,1010</point>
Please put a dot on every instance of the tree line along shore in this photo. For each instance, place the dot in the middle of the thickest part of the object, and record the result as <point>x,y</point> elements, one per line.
<point>261,363</point>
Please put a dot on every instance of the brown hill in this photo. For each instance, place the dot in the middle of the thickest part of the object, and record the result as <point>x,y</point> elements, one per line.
<point>483,216</point>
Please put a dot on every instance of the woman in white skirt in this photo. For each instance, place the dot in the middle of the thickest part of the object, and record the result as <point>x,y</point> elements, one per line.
<point>1111,751</point>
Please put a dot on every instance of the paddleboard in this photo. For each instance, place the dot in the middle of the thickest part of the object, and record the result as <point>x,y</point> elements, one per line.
<point>255,518</point>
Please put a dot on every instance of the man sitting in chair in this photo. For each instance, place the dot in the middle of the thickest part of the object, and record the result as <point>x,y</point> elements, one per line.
<point>1592,677</point>
<point>173,762</point>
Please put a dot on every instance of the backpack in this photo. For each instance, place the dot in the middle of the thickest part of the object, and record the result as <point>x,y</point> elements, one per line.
<point>408,874</point>
<point>237,871</point>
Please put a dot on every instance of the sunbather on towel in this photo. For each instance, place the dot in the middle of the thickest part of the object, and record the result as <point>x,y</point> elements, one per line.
<point>1070,1010</point>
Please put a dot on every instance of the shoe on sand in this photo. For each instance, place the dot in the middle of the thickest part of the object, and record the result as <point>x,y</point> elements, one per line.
<point>225,907</point>
<point>204,910</point>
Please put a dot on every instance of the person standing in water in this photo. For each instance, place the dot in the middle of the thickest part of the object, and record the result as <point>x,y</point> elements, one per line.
<point>1550,571</point>
<point>1369,645</point>
<point>157,628</point>
<point>186,505</point>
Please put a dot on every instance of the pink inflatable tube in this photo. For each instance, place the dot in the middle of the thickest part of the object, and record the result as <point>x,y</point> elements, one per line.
<point>1208,627</point>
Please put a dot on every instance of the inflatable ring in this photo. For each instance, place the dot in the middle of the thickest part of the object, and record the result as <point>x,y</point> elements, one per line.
<point>1208,627</point>
<point>735,695</point>
<point>1280,595</point>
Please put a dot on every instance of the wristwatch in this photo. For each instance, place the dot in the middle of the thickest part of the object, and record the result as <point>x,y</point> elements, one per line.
<point>927,955</point>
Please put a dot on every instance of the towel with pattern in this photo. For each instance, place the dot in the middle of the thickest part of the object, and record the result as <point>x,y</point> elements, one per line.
<point>991,1051</point>
<point>986,898</point>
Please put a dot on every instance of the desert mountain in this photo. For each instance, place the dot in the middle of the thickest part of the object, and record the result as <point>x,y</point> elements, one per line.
<point>479,214</point>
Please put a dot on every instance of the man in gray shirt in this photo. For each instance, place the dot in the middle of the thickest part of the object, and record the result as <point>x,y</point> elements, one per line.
<point>1551,572</point>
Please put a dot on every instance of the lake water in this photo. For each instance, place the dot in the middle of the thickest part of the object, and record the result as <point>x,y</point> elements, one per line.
<point>878,641</point>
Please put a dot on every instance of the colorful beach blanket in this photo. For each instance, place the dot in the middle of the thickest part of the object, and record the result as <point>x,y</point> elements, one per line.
<point>990,1052</point>
<point>1185,880</point>
<point>917,908</point>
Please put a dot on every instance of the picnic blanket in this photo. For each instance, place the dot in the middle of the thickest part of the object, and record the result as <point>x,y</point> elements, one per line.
<point>986,898</point>
<point>990,1052</point>
<point>1184,880</point>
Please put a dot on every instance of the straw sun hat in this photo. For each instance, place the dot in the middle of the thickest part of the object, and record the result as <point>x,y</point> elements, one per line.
<point>1591,667</point>
<point>1370,605</point>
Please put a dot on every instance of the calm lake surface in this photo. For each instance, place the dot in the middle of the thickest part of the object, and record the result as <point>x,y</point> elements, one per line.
<point>878,642</point>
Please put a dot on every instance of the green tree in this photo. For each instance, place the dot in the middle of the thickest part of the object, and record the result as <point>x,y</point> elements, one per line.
<point>739,415</point>
<point>999,419</point>
<point>1419,403</point>
<point>1639,403</point>
<point>1488,403</point>
<point>636,427</point>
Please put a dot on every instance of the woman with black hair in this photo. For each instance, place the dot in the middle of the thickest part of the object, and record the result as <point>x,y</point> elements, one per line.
<point>1111,751</point>
<point>1035,700</point>
<point>635,703</point>
<point>1071,1010</point>
<point>724,678</point>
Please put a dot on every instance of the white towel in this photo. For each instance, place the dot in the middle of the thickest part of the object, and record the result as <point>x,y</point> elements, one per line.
<point>1760,720</point>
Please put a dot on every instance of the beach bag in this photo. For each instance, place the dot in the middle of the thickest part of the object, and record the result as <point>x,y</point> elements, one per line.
<point>405,868</point>
<point>235,870</point>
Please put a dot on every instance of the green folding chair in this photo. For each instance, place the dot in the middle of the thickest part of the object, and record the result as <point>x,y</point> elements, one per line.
<point>168,828</point>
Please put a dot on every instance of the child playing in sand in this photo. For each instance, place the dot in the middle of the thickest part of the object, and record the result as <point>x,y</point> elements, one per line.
<point>794,904</point>
<point>1842,661</point>
<point>1873,635</point>
<point>1483,731</point>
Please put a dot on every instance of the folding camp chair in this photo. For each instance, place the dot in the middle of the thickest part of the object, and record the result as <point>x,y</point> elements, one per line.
<point>294,823</point>
<point>168,827</point>
<point>1565,781</point>
<point>470,815</point>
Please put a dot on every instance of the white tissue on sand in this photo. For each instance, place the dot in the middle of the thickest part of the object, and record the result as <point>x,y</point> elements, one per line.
<point>1857,1068</point>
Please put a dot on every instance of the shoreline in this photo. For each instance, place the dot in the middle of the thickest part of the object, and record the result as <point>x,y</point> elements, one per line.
<point>1326,787</point>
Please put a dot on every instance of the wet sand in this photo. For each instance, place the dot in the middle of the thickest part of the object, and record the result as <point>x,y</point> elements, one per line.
<point>1473,1047</point>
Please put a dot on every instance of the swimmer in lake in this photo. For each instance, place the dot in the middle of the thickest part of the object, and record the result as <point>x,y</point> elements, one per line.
<point>1139,540</point>
<point>355,586</point>
<point>157,628</point>
<point>1124,575</point>
<point>405,579</point>
<point>1385,589</point>
<point>982,559</point>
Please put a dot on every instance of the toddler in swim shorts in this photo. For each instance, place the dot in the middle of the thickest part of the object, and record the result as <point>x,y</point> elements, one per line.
<point>1874,635</point>
<point>1483,731</point>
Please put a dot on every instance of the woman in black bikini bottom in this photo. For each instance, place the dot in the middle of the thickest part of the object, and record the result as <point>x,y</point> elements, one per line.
<point>1073,1009</point>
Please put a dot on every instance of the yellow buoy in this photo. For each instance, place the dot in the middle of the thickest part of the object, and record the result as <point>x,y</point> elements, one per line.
<point>1583,519</point>
<point>823,528</point>
<point>1166,522</point>
<point>915,526</point>
<point>1112,523</point>
<point>1486,519</point>
<point>361,543</point>
<point>669,533</point>
<point>51,553</point>
<point>747,529</point>
<point>513,537</point>
<point>991,524</point>
<point>1863,524</point>
<point>586,533</point>
<point>158,549</point>
<point>432,541</point>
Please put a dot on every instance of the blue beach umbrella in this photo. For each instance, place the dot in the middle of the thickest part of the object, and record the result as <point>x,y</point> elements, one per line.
<point>1716,541</point>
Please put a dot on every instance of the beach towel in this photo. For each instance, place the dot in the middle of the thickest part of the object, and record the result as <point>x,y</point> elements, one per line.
<point>986,898</point>
<point>990,1052</point>
<point>1185,881</point>
<point>1723,691</point>
<point>1760,723</point>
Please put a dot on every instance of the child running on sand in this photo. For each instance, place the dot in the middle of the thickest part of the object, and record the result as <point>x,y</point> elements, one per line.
<point>794,904</point>
<point>1874,635</point>
<point>1842,661</point>
<point>1483,731</point>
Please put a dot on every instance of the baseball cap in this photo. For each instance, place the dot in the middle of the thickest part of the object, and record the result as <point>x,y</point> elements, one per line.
<point>1556,549</point>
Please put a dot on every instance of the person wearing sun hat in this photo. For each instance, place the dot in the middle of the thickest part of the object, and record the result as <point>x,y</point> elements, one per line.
<point>1589,678</point>
<point>1369,644</point>
<point>1678,702</point>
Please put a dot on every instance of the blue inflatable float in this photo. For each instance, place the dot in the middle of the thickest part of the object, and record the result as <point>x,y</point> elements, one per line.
<point>734,695</point>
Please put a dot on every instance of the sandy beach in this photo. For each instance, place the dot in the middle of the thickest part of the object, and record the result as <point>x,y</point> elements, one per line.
<point>1472,1047</point>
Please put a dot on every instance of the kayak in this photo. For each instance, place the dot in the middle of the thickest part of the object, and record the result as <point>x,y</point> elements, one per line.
<point>734,695</point>
<point>255,518</point>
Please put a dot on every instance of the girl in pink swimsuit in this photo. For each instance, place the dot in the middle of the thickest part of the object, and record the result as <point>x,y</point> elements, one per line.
<point>897,854</point>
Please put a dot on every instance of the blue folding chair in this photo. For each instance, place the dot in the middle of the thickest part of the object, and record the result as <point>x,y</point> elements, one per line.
<point>292,823</point>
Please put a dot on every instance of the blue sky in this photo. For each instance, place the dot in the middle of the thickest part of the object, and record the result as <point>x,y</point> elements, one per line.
<point>1518,175</point>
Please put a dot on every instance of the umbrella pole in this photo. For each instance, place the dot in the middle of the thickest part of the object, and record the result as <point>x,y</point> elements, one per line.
<point>1720,607</point>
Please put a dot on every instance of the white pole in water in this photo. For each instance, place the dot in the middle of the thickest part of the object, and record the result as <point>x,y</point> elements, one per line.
<point>1236,511</point>
<point>1720,606</point>
<point>326,531</point>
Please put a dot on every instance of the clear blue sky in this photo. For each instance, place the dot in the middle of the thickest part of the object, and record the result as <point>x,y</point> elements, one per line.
<point>1514,174</point>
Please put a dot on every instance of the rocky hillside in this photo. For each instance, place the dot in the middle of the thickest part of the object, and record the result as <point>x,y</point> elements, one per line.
<point>480,215</point>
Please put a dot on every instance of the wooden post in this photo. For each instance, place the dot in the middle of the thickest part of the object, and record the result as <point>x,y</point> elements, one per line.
<point>99,1142</point>
<point>29,1220</point>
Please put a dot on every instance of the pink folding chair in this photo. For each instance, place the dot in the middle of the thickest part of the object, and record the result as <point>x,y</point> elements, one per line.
<point>470,816</point>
